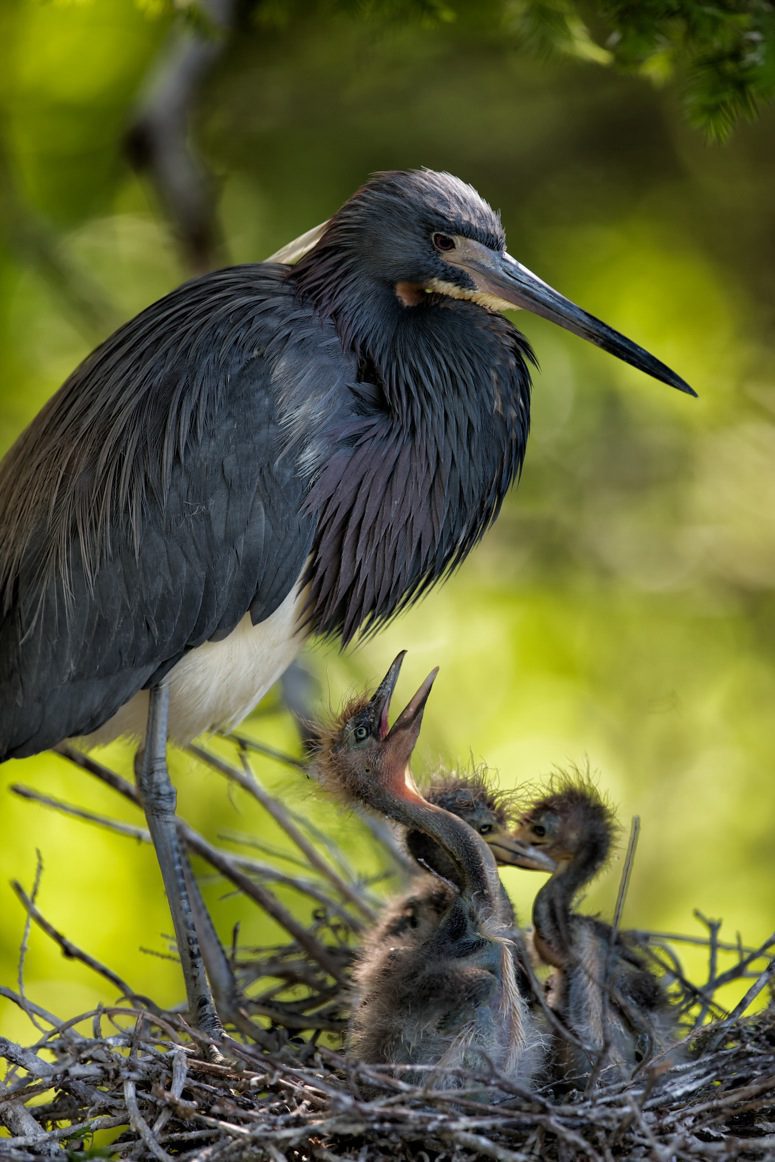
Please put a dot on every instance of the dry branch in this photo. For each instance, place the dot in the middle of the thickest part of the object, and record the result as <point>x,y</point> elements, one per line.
<point>140,1080</point>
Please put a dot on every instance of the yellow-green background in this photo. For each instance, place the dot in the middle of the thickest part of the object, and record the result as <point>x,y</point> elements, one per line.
<point>621,612</point>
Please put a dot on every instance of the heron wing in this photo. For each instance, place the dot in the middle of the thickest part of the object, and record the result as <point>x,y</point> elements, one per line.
<point>156,499</point>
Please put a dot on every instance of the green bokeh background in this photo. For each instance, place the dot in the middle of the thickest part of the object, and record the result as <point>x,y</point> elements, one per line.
<point>621,612</point>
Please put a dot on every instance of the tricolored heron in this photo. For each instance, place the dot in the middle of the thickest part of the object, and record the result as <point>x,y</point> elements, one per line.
<point>437,981</point>
<point>268,452</point>
<point>615,1009</point>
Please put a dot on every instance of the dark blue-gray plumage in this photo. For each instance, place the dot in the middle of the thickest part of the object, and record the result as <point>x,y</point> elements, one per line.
<point>252,420</point>
<point>297,449</point>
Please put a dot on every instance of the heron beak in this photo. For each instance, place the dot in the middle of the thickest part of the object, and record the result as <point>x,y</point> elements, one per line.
<point>404,733</point>
<point>529,855</point>
<point>379,703</point>
<point>409,720</point>
<point>399,741</point>
<point>503,283</point>
<point>512,852</point>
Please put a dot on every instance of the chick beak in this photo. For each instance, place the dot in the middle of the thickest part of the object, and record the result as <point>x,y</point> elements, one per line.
<point>512,852</point>
<point>402,737</point>
<point>379,703</point>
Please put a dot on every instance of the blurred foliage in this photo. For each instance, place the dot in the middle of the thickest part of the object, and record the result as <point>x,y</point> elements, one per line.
<point>720,53</point>
<point>622,610</point>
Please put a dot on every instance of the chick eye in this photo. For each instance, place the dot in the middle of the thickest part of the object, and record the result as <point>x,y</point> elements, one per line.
<point>539,830</point>
<point>485,828</point>
<point>443,242</point>
<point>360,734</point>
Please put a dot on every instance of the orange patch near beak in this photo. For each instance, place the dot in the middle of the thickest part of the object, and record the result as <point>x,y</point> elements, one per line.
<point>409,293</point>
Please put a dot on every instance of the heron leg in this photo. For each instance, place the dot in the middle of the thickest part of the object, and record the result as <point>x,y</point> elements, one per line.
<point>158,798</point>
<point>220,974</point>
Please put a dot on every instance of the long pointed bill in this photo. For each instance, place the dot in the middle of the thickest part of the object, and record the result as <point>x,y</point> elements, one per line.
<point>403,736</point>
<point>505,283</point>
<point>410,718</point>
<point>530,856</point>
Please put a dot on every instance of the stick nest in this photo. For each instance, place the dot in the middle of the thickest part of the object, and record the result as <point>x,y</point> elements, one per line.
<point>132,1082</point>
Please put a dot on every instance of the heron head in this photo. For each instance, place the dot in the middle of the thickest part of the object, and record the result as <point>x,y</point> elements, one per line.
<point>362,756</point>
<point>490,811</point>
<point>572,825</point>
<point>427,233</point>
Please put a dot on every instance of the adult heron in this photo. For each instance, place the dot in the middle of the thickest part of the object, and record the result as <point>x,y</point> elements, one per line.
<point>268,452</point>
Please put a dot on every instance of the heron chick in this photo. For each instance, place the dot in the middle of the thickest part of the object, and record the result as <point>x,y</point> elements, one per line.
<point>436,984</point>
<point>615,1009</point>
<point>473,797</point>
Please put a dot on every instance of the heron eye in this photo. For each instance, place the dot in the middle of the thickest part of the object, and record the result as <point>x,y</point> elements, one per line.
<point>485,829</point>
<point>539,830</point>
<point>443,242</point>
<point>360,734</point>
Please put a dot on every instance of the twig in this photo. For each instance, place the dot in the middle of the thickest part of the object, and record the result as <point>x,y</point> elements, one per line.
<point>246,779</point>
<point>264,749</point>
<point>744,1004</point>
<point>196,842</point>
<point>624,879</point>
<point>262,896</point>
<point>610,957</point>
<point>744,962</point>
<point>713,929</point>
<point>28,1131</point>
<point>179,1076</point>
<point>139,1123</point>
<point>103,773</point>
<point>26,937</point>
<point>640,934</point>
<point>70,950</point>
<point>129,830</point>
<point>28,1007</point>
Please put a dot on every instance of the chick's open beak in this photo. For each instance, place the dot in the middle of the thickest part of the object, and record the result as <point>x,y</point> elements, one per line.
<point>403,735</point>
<point>379,702</point>
<point>400,739</point>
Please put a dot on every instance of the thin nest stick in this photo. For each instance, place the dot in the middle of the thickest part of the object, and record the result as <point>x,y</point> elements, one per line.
<point>134,1082</point>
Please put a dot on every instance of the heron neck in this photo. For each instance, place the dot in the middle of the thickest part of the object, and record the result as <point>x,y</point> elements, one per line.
<point>423,354</point>
<point>419,451</point>
<point>552,911</point>
<point>427,853</point>
<point>476,873</point>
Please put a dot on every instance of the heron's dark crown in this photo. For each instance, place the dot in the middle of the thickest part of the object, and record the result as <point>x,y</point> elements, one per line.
<point>427,199</point>
<point>383,235</point>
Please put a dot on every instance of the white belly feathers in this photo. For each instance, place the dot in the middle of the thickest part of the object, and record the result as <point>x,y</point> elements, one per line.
<point>217,684</point>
